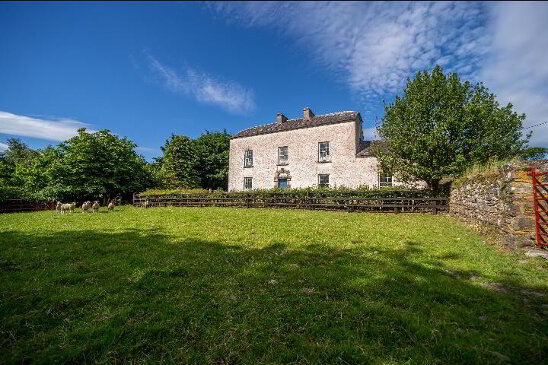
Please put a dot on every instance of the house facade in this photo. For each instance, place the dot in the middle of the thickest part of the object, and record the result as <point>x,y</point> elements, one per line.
<point>315,150</point>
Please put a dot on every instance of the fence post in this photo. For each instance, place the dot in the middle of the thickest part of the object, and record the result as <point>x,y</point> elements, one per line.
<point>535,207</point>
<point>435,210</point>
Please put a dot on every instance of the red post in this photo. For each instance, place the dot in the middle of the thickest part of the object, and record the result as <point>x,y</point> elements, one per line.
<point>536,208</point>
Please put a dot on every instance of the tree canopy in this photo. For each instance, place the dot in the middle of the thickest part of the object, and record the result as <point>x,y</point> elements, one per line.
<point>189,163</point>
<point>442,125</point>
<point>87,166</point>
<point>101,165</point>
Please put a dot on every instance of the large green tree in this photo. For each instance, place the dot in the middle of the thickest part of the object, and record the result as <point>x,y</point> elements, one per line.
<point>14,162</point>
<point>188,163</point>
<point>179,164</point>
<point>441,125</point>
<point>212,151</point>
<point>88,166</point>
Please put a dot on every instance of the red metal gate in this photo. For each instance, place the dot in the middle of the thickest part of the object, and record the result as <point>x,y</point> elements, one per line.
<point>540,202</point>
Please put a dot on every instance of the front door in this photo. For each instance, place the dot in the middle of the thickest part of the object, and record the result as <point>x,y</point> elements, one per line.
<point>282,183</point>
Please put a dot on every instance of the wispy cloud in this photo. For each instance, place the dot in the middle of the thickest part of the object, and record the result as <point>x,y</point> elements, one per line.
<point>3,147</point>
<point>205,88</point>
<point>49,129</point>
<point>374,47</point>
<point>516,67</point>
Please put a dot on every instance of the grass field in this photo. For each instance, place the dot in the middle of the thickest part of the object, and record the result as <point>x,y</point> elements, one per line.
<point>247,286</point>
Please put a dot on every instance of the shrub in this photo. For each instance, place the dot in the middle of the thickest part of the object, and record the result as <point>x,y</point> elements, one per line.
<point>340,192</point>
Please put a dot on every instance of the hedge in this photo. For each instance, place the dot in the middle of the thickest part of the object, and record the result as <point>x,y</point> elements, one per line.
<point>386,192</point>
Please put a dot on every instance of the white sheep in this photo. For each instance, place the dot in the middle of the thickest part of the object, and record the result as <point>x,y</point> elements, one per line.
<point>68,207</point>
<point>58,207</point>
<point>86,206</point>
<point>95,206</point>
<point>111,205</point>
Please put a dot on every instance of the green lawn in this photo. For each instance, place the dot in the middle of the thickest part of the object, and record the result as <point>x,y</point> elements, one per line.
<point>247,286</point>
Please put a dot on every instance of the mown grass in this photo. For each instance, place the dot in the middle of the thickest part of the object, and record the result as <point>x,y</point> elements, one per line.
<point>248,286</point>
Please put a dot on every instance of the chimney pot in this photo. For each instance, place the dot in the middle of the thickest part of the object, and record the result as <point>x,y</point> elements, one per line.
<point>281,118</point>
<point>307,113</point>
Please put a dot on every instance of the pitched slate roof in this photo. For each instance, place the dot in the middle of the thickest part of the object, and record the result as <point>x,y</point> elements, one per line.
<point>291,124</point>
<point>364,149</point>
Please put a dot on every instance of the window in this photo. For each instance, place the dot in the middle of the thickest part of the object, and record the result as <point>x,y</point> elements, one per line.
<point>248,158</point>
<point>282,183</point>
<point>385,180</point>
<point>323,180</point>
<point>283,156</point>
<point>248,183</point>
<point>323,152</point>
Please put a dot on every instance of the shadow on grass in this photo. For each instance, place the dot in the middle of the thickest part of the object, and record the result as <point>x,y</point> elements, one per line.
<point>141,296</point>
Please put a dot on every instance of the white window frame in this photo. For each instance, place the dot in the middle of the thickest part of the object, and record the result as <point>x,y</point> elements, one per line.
<point>385,180</point>
<point>250,180</point>
<point>283,161</point>
<point>326,152</point>
<point>248,158</point>
<point>320,180</point>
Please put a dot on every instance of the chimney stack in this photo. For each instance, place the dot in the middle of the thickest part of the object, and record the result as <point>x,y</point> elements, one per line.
<point>281,118</point>
<point>308,115</point>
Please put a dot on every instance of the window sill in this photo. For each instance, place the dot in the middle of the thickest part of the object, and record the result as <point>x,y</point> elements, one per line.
<point>248,167</point>
<point>282,164</point>
<point>324,161</point>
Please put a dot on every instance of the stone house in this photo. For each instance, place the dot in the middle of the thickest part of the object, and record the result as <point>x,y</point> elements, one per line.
<point>315,150</point>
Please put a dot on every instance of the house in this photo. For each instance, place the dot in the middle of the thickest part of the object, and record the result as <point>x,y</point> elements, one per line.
<point>315,150</point>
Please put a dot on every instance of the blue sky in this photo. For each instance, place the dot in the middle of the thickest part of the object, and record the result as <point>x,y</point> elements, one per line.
<point>147,70</point>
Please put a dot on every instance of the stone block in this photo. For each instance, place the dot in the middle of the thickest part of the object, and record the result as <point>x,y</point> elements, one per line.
<point>509,241</point>
<point>512,210</point>
<point>522,223</point>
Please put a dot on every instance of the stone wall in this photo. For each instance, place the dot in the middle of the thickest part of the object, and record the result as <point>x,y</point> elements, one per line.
<point>500,200</point>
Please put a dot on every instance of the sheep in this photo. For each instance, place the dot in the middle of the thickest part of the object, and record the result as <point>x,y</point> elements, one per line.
<point>95,206</point>
<point>58,207</point>
<point>146,204</point>
<point>86,206</point>
<point>111,205</point>
<point>68,207</point>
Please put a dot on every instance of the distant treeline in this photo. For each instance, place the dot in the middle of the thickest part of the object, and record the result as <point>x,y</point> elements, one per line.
<point>101,165</point>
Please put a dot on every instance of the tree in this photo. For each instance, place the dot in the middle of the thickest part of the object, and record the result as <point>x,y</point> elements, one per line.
<point>212,152</point>
<point>442,125</point>
<point>19,153</point>
<point>88,166</point>
<point>13,164</point>
<point>180,163</point>
<point>188,163</point>
<point>534,153</point>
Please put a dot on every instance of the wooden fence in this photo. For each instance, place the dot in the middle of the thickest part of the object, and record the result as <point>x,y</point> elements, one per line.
<point>350,204</point>
<point>20,205</point>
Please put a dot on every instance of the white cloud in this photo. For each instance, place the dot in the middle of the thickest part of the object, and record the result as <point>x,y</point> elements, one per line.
<point>373,47</point>
<point>229,95</point>
<point>3,147</point>
<point>53,130</point>
<point>516,67</point>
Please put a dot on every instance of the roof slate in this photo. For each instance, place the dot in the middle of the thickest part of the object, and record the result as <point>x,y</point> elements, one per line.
<point>365,148</point>
<point>292,124</point>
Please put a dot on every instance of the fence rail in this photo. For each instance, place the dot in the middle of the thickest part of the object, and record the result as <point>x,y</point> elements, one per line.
<point>374,204</point>
<point>20,205</point>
